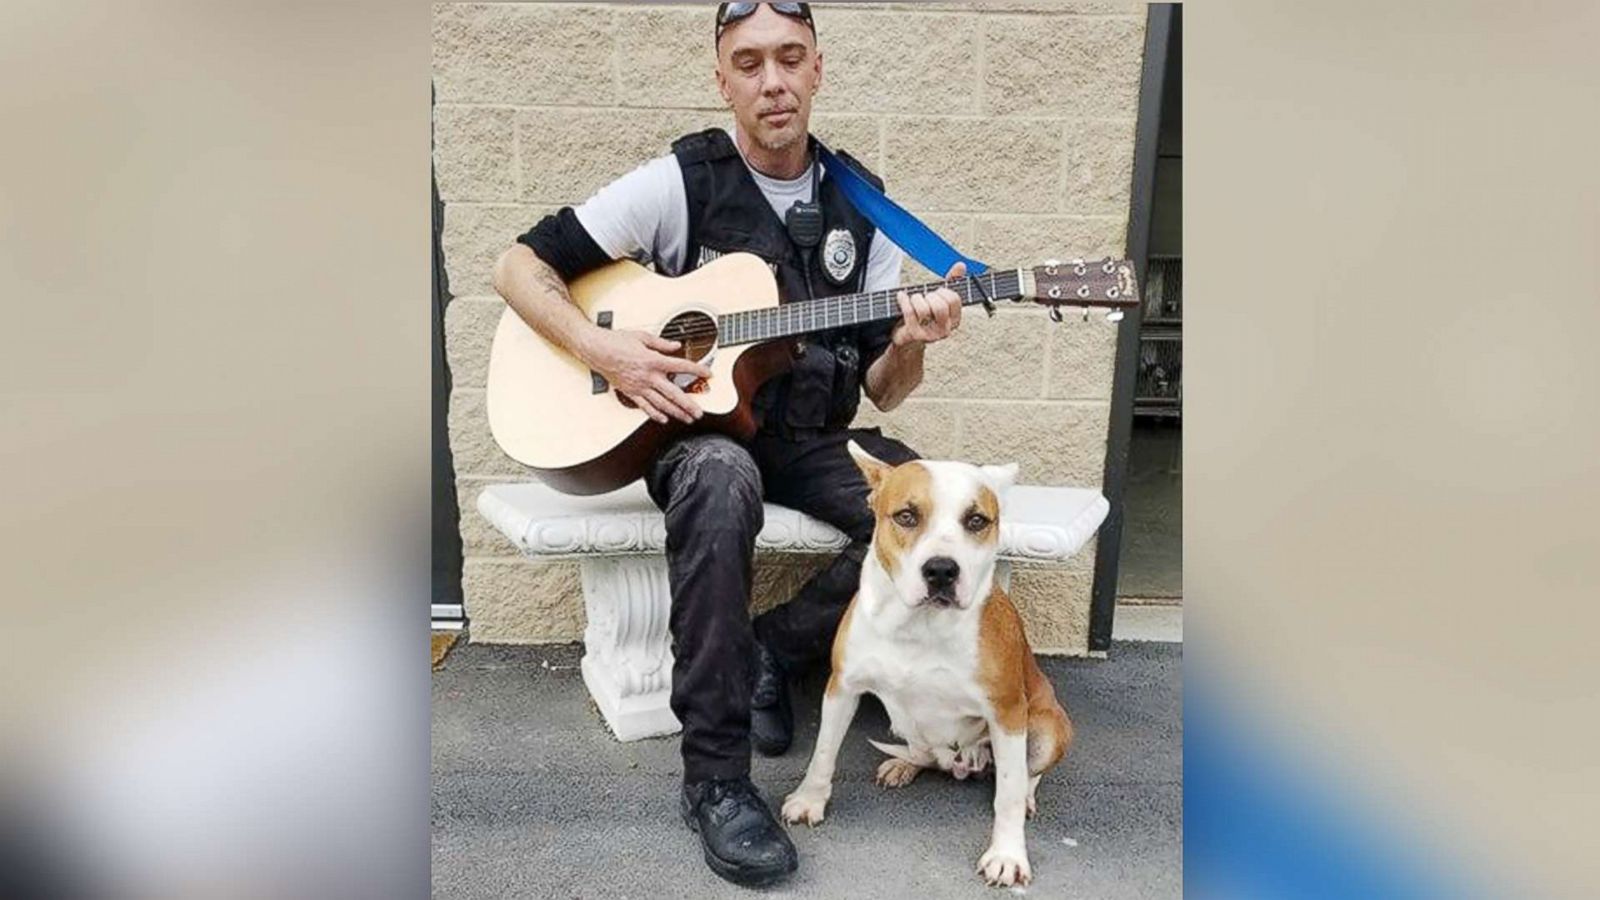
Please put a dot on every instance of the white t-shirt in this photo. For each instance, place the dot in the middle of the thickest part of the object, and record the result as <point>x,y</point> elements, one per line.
<point>644,216</point>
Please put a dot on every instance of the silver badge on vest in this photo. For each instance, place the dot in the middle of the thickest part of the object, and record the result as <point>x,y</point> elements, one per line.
<point>839,256</point>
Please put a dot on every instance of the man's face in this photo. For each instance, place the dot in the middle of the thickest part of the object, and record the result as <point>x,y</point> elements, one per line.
<point>768,68</point>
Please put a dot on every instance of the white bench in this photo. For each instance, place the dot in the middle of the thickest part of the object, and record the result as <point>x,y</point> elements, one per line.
<point>620,541</point>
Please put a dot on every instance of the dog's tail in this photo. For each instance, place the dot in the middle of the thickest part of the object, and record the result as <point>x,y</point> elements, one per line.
<point>898,751</point>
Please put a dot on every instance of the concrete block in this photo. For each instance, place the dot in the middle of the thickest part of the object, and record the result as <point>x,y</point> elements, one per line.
<point>475,236</point>
<point>523,53</point>
<point>478,537</point>
<point>857,135</point>
<point>898,62</point>
<point>665,57</point>
<point>1054,603</point>
<point>568,154</point>
<point>966,165</point>
<point>1059,7</point>
<point>930,427</point>
<point>1099,174</point>
<point>1053,443</point>
<point>474,153</point>
<point>469,325</point>
<point>1012,241</point>
<point>779,576</point>
<point>1062,65</point>
<point>1082,357</point>
<point>517,601</point>
<point>472,447</point>
<point>999,357</point>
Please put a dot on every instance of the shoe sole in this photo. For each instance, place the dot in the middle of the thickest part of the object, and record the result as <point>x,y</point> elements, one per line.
<point>743,877</point>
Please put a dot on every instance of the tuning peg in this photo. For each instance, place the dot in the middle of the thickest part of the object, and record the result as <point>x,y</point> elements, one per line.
<point>1114,316</point>
<point>1086,313</point>
<point>1052,262</point>
<point>1055,314</point>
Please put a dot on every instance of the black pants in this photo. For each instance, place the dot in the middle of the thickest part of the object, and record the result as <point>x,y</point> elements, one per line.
<point>711,488</point>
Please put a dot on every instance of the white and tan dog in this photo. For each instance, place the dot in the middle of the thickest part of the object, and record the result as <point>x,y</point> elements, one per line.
<point>932,636</point>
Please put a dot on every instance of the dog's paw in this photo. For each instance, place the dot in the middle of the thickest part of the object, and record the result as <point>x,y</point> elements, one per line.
<point>805,807</point>
<point>895,773</point>
<point>1003,867</point>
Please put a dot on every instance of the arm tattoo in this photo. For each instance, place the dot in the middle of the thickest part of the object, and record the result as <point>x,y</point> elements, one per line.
<point>549,280</point>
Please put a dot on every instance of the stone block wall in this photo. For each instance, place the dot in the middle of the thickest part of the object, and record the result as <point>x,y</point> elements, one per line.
<point>1007,126</point>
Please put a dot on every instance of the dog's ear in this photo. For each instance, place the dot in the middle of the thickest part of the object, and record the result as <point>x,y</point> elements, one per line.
<point>871,466</point>
<point>1001,478</point>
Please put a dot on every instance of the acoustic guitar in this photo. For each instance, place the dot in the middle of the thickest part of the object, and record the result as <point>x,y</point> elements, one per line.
<point>549,411</point>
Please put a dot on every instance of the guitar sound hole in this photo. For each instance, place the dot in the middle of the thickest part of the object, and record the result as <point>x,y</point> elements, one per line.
<point>696,334</point>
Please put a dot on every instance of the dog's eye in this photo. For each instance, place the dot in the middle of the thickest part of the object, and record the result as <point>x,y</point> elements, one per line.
<point>977,522</point>
<point>906,518</point>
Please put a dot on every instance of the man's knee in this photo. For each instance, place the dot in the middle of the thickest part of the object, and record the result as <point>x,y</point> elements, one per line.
<point>714,484</point>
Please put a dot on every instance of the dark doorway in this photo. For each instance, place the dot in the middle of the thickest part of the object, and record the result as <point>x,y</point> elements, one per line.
<point>1150,568</point>
<point>1140,543</point>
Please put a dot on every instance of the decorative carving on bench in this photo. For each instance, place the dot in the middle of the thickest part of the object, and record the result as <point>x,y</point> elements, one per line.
<point>613,531</point>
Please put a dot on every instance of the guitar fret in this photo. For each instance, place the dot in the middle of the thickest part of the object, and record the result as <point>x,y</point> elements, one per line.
<point>787,319</point>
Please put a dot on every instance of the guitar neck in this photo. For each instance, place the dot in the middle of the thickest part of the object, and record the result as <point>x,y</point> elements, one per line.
<point>790,319</point>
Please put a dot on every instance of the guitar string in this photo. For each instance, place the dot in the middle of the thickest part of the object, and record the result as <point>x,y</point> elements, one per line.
<point>830,312</point>
<point>771,322</point>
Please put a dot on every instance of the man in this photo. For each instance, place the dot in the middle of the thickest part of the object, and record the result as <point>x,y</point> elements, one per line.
<point>718,192</point>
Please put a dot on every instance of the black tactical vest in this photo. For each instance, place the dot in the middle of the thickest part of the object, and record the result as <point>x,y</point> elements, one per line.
<point>727,214</point>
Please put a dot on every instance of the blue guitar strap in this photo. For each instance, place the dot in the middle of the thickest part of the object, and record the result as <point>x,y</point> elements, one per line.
<point>907,231</point>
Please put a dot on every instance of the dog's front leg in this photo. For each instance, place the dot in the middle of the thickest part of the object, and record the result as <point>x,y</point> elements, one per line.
<point>1006,860</point>
<point>810,800</point>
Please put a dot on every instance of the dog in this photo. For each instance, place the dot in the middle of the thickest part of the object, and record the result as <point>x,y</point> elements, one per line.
<point>939,643</point>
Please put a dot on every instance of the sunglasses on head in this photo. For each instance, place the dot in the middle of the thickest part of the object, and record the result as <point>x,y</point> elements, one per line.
<point>729,13</point>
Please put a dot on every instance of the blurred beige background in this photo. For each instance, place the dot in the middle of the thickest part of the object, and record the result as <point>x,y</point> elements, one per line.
<point>216,424</point>
<point>1010,130</point>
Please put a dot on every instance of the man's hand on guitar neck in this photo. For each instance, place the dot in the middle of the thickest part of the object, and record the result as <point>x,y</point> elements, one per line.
<point>928,318</point>
<point>638,366</point>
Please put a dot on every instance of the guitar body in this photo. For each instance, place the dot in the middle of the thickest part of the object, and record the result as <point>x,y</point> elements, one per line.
<point>547,410</point>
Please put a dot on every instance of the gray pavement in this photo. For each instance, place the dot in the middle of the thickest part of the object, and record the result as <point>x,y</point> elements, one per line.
<point>533,798</point>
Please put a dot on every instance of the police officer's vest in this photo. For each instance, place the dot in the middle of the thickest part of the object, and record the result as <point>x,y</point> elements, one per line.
<point>728,213</point>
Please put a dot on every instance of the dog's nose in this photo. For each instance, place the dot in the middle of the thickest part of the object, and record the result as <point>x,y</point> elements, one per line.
<point>940,571</point>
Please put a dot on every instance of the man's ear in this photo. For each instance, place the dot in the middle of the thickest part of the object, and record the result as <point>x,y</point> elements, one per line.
<point>1001,478</point>
<point>875,469</point>
<point>722,83</point>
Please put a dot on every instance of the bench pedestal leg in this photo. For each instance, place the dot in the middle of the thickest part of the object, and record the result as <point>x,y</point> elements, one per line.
<point>627,660</point>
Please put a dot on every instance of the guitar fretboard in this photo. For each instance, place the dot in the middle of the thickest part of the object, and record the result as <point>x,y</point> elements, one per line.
<point>787,319</point>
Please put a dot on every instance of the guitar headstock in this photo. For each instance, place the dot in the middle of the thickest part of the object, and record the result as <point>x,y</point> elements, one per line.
<point>1103,282</point>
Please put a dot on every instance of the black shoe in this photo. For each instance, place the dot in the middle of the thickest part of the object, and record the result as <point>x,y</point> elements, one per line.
<point>743,841</point>
<point>771,715</point>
